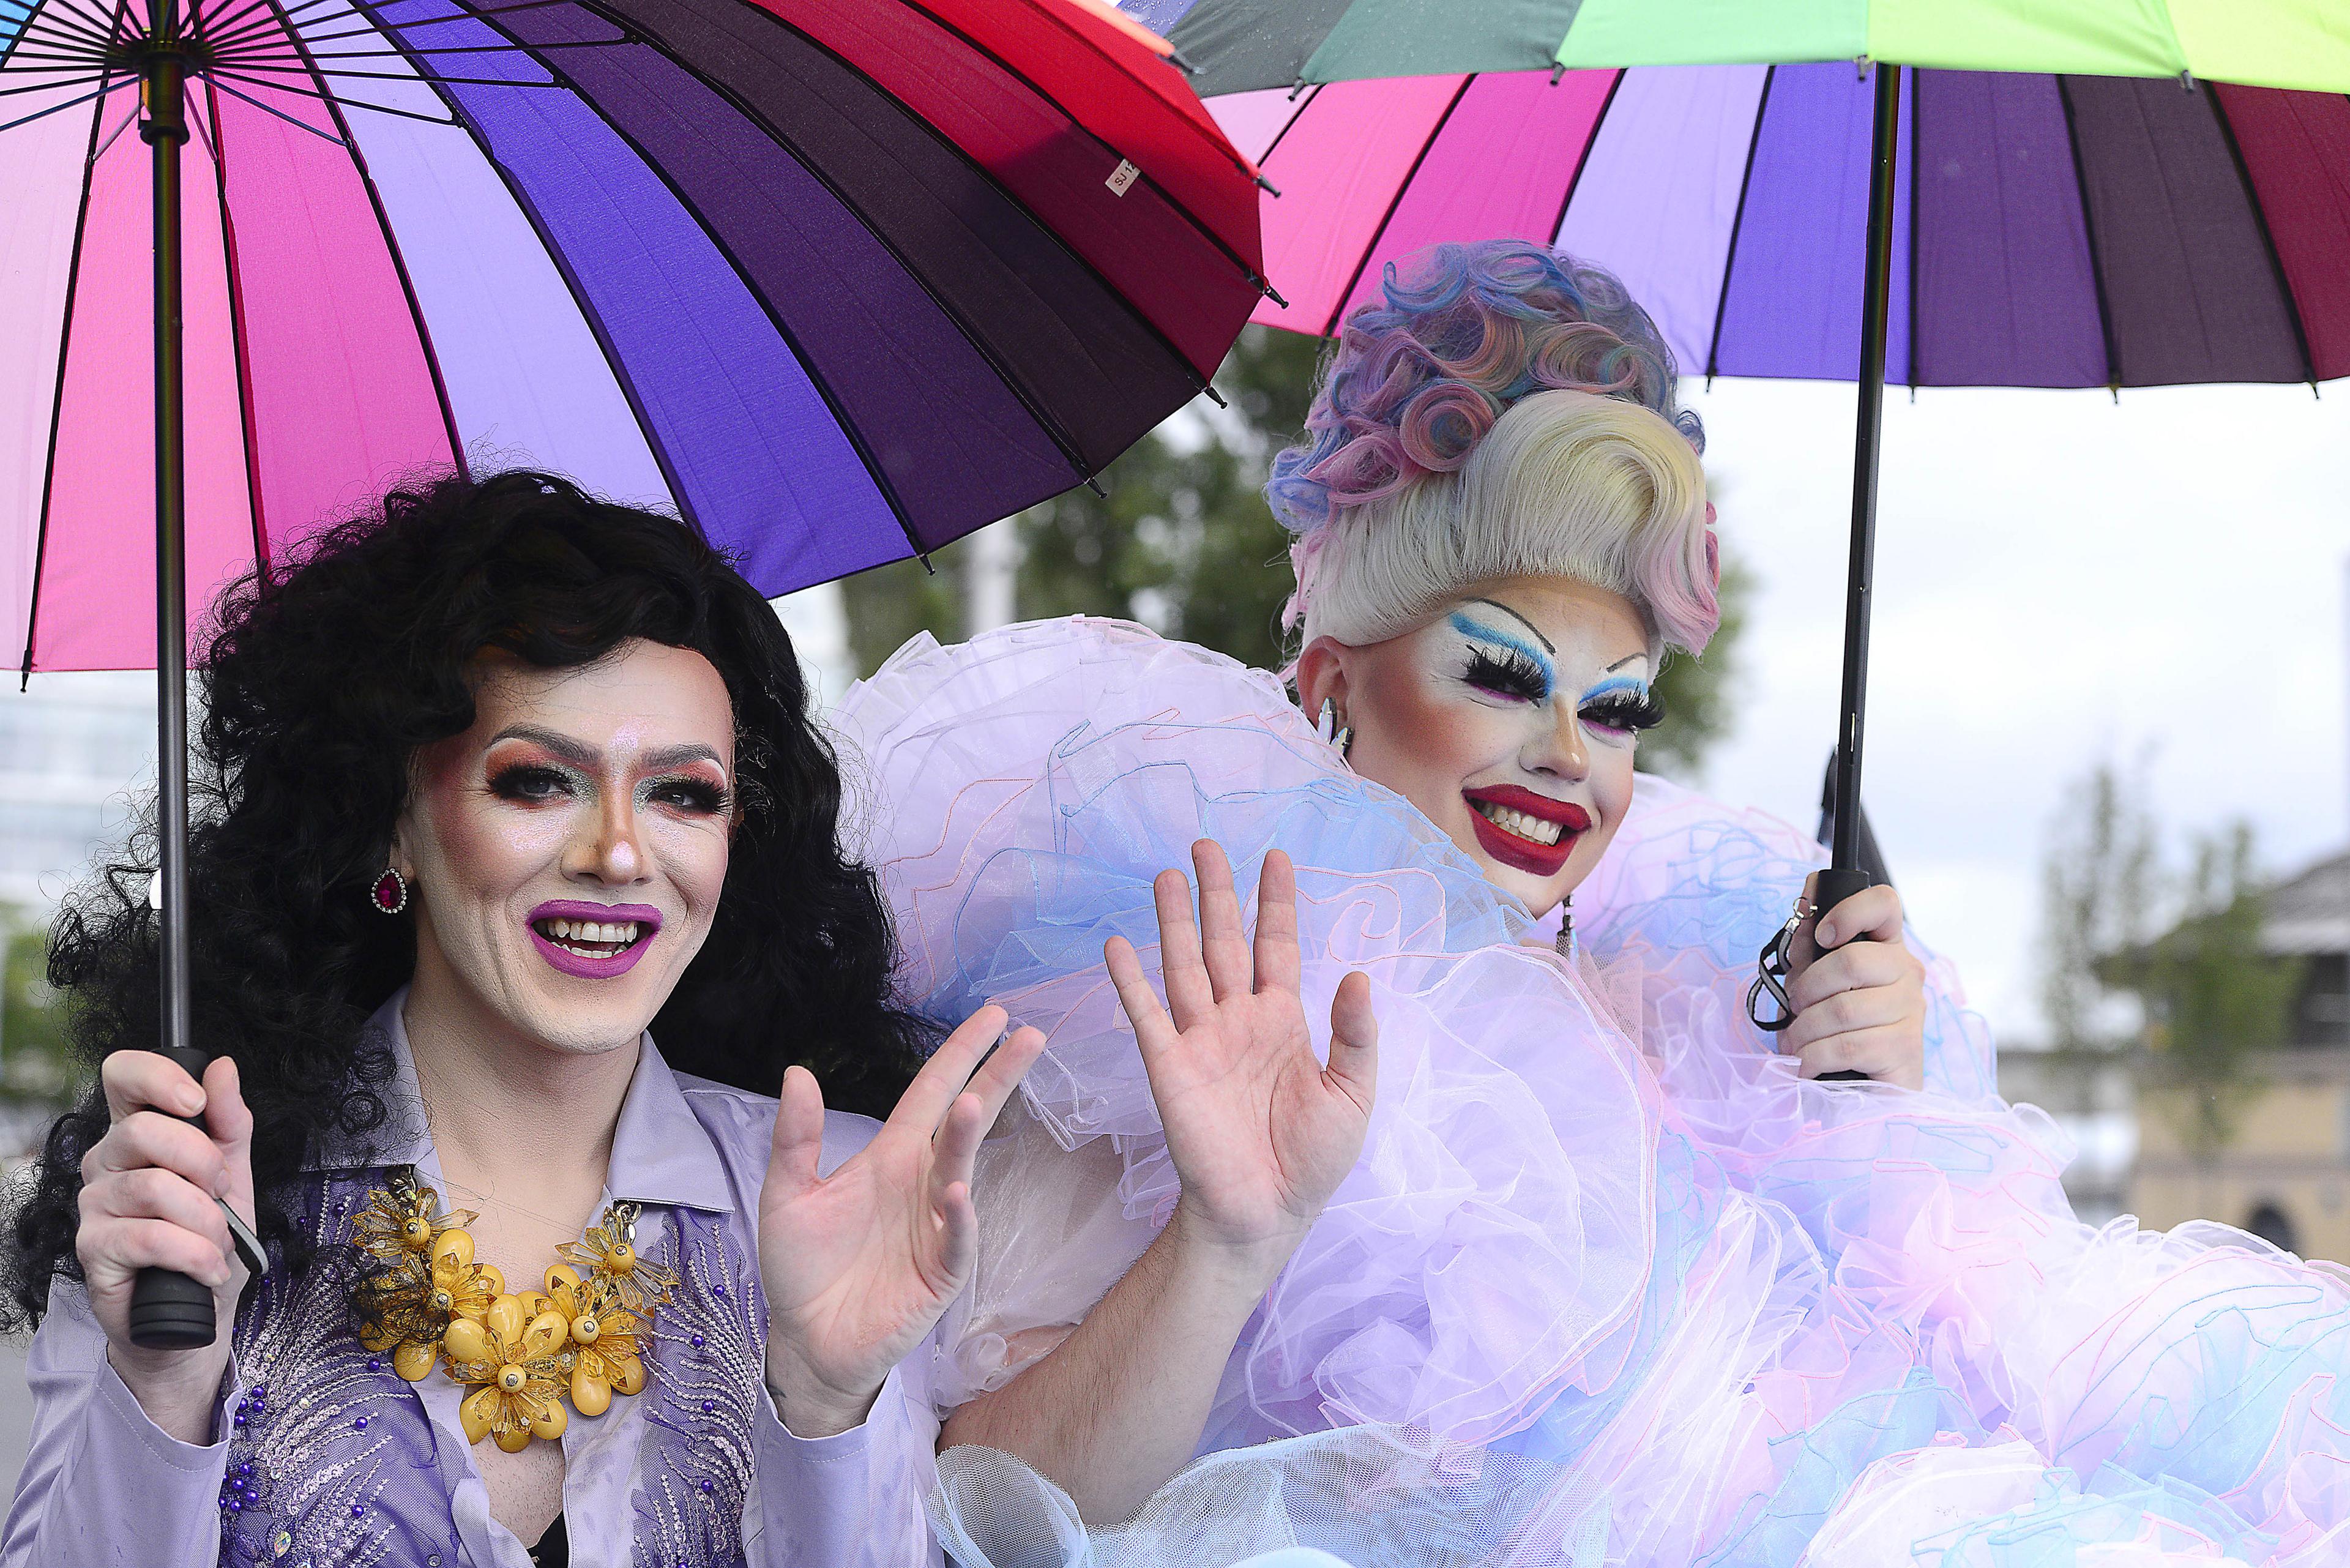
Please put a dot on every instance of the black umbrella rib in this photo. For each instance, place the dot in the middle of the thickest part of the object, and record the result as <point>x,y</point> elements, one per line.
<point>57,394</point>
<point>1046,421</point>
<point>2268,240</point>
<point>1371,245</point>
<point>216,79</point>
<point>1590,146</point>
<point>855,437</point>
<point>264,83</point>
<point>1009,70</point>
<point>580,300</point>
<point>61,107</point>
<point>60,29</point>
<point>64,14</point>
<point>461,49</point>
<point>1737,222</point>
<point>376,77</point>
<point>398,261</point>
<point>255,515</point>
<point>390,28</point>
<point>1916,122</point>
<point>2089,239</point>
<point>253,18</point>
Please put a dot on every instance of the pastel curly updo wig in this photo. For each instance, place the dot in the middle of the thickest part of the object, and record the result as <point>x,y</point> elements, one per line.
<point>1507,411</point>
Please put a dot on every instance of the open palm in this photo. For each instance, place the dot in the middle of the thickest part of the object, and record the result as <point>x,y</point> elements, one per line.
<point>857,1265</point>
<point>1260,1131</point>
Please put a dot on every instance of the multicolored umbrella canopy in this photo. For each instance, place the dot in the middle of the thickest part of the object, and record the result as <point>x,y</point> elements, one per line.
<point>838,280</point>
<point>1244,43</point>
<point>2048,231</point>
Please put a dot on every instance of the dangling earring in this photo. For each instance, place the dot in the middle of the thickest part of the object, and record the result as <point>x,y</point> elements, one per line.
<point>389,893</point>
<point>1331,729</point>
<point>1566,930</point>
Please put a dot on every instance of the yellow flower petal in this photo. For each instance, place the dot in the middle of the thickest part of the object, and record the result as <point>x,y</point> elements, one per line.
<point>515,1441</point>
<point>507,1318</point>
<point>628,1374</point>
<point>466,1340</point>
<point>479,1412</point>
<point>453,1250</point>
<point>590,1393</point>
<point>545,1335</point>
<point>413,1360</point>
<point>550,1420</point>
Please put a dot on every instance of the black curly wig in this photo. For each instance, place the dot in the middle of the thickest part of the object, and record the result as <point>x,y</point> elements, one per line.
<point>327,672</point>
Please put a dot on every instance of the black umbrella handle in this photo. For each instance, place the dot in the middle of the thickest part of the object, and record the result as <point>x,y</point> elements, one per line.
<point>169,1311</point>
<point>1835,884</point>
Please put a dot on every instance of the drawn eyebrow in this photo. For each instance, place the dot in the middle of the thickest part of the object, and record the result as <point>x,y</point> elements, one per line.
<point>1467,626</point>
<point>583,756</point>
<point>1521,620</point>
<point>676,756</point>
<point>1623,661</point>
<point>563,746</point>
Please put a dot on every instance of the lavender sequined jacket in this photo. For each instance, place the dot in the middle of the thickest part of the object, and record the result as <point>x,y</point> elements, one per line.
<point>323,1457</point>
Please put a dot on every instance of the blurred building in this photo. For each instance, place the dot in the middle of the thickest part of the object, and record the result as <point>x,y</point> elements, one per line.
<point>2286,1174</point>
<point>2092,1097</point>
<point>71,748</point>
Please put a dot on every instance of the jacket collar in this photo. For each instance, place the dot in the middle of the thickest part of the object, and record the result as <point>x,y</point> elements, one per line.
<point>662,1154</point>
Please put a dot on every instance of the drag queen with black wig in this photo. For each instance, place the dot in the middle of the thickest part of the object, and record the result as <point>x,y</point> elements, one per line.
<point>1538,1252</point>
<point>489,782</point>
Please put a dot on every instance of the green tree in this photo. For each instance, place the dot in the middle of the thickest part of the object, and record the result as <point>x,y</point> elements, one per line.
<point>2216,1000</point>
<point>2185,948</point>
<point>1182,541</point>
<point>35,1062</point>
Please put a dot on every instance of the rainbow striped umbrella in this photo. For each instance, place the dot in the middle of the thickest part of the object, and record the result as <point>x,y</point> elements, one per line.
<point>1783,212</point>
<point>839,280</point>
<point>2047,230</point>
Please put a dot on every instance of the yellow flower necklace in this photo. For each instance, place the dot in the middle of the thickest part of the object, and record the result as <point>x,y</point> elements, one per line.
<point>524,1353</point>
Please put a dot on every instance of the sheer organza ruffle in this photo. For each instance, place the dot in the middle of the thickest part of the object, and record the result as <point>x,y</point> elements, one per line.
<point>1672,1303</point>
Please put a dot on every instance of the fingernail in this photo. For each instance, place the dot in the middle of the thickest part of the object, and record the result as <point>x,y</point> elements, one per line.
<point>220,1184</point>
<point>1827,934</point>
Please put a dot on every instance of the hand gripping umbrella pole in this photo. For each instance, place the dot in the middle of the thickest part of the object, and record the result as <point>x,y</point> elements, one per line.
<point>1843,875</point>
<point>168,1309</point>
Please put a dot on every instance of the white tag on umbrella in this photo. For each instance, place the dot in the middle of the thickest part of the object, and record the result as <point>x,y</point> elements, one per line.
<point>1121,178</point>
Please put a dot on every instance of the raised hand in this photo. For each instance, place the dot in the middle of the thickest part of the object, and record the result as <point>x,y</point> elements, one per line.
<point>1260,1131</point>
<point>1859,992</point>
<point>149,1199</point>
<point>857,1265</point>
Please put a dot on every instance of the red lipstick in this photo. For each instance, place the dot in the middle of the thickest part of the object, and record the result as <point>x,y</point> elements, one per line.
<point>1512,849</point>
<point>594,959</point>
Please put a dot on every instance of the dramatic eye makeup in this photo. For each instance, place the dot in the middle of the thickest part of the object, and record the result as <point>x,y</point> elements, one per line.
<point>1621,702</point>
<point>1503,663</point>
<point>531,781</point>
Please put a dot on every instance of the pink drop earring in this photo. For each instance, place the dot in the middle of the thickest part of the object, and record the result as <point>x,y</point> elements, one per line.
<point>389,893</point>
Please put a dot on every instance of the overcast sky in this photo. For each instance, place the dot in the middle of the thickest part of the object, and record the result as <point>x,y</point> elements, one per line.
<point>2060,580</point>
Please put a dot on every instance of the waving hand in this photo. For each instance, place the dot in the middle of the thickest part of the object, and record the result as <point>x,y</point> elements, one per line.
<point>1260,1131</point>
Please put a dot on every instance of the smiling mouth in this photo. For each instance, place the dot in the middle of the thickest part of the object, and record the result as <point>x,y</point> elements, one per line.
<point>592,938</point>
<point>1532,830</point>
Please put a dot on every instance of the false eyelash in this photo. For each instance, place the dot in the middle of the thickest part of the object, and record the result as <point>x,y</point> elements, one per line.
<point>1508,673</point>
<point>1626,710</point>
<point>511,782</point>
<point>705,795</point>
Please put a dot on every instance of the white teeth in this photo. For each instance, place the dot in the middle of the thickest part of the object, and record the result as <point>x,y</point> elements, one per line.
<point>618,933</point>
<point>1533,829</point>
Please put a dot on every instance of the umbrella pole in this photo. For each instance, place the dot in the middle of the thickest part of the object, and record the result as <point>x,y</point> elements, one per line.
<point>1844,876</point>
<point>170,1310</point>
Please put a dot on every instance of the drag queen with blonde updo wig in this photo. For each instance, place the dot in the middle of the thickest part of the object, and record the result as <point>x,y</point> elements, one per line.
<point>1537,1253</point>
